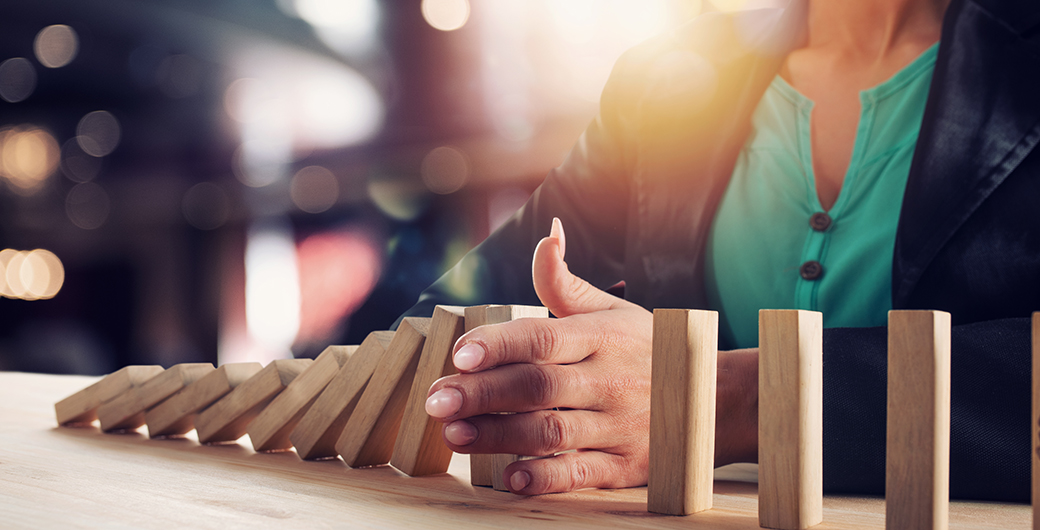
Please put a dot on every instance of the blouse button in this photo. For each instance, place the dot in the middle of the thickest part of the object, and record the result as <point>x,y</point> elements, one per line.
<point>811,270</point>
<point>820,221</point>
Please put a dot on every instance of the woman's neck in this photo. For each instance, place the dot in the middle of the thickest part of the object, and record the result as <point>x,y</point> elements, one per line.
<point>870,30</point>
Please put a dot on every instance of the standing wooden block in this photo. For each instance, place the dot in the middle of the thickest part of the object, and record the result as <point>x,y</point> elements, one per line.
<point>790,419</point>
<point>126,411</point>
<point>487,469</point>
<point>1035,427</point>
<point>420,448</point>
<point>682,411</point>
<point>917,477</point>
<point>270,430</point>
<point>82,406</point>
<point>369,436</point>
<point>319,429</point>
<point>176,415</point>
<point>227,419</point>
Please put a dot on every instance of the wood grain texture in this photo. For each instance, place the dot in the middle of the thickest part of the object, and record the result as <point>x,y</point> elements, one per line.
<point>129,481</point>
<point>682,411</point>
<point>270,430</point>
<point>126,411</point>
<point>176,415</point>
<point>420,448</point>
<point>480,465</point>
<point>82,406</point>
<point>917,475</point>
<point>1035,426</point>
<point>228,418</point>
<point>369,435</point>
<point>316,434</point>
<point>790,419</point>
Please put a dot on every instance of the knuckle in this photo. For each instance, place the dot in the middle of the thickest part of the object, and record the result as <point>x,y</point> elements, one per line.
<point>555,434</point>
<point>542,387</point>
<point>581,473</point>
<point>545,339</point>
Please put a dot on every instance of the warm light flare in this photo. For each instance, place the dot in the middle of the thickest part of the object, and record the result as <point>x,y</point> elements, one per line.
<point>56,46</point>
<point>30,275</point>
<point>28,155</point>
<point>445,15</point>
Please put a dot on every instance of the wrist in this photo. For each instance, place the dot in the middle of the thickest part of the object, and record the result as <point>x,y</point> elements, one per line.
<point>736,422</point>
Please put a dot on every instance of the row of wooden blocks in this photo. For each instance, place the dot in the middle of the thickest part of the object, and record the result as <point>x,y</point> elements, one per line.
<point>363,403</point>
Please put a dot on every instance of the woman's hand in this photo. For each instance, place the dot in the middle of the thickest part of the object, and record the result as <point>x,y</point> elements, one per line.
<point>580,381</point>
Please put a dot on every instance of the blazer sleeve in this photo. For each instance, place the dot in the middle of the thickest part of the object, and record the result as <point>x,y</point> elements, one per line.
<point>990,410</point>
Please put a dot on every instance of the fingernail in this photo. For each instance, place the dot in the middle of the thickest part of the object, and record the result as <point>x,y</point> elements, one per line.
<point>469,357</point>
<point>557,232</point>
<point>444,403</point>
<point>519,480</point>
<point>460,432</point>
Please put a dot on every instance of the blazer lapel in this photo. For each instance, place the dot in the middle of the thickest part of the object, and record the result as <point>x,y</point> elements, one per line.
<point>981,120</point>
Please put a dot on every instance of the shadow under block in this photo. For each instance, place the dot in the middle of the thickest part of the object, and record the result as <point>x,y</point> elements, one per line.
<point>270,430</point>
<point>790,419</point>
<point>487,469</point>
<point>127,410</point>
<point>682,411</point>
<point>1035,427</point>
<point>82,406</point>
<point>227,419</point>
<point>369,435</point>
<point>420,448</point>
<point>316,434</point>
<point>917,475</point>
<point>176,415</point>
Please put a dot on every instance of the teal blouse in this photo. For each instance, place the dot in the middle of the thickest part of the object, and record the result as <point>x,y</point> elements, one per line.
<point>767,249</point>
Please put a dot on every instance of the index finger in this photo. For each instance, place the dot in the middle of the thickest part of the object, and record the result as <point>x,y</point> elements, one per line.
<point>527,340</point>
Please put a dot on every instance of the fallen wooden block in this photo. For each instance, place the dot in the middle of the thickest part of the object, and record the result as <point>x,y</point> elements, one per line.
<point>682,411</point>
<point>488,469</point>
<point>81,407</point>
<point>126,411</point>
<point>420,448</point>
<point>1035,427</point>
<point>227,419</point>
<point>270,430</point>
<point>790,419</point>
<point>316,434</point>
<point>917,475</point>
<point>368,437</point>
<point>176,415</point>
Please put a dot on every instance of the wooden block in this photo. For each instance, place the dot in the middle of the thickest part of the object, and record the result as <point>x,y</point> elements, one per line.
<point>917,477</point>
<point>682,411</point>
<point>790,419</point>
<point>1035,427</point>
<point>227,419</point>
<point>316,434</point>
<point>176,415</point>
<point>369,435</point>
<point>487,469</point>
<point>82,406</point>
<point>270,430</point>
<point>420,448</point>
<point>126,411</point>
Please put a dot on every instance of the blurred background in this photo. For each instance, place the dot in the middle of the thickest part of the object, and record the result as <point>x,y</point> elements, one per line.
<point>232,180</point>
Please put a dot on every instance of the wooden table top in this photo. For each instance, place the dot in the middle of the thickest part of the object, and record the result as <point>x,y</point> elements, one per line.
<point>60,477</point>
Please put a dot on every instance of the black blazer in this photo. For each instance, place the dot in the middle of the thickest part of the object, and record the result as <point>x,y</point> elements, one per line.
<point>638,193</point>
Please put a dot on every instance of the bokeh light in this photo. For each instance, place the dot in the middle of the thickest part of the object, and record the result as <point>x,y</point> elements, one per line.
<point>347,26</point>
<point>6,255</point>
<point>87,206</point>
<point>272,288</point>
<point>28,155</point>
<point>338,270</point>
<point>206,206</point>
<point>398,197</point>
<point>444,170</point>
<point>56,46</point>
<point>41,275</point>
<point>76,164</point>
<point>17,79</point>
<point>445,15</point>
<point>314,189</point>
<point>98,133</point>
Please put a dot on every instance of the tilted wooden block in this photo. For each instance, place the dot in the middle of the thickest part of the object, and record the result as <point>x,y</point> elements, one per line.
<point>368,438</point>
<point>917,475</point>
<point>82,406</point>
<point>126,411</point>
<point>682,411</point>
<point>270,430</point>
<point>1035,427</point>
<point>488,469</point>
<point>227,419</point>
<point>790,419</point>
<point>176,415</point>
<point>420,448</point>
<point>319,429</point>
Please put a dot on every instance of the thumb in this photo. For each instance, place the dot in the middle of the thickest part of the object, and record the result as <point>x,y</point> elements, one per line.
<point>563,293</point>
